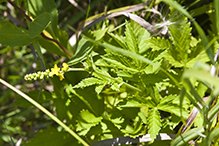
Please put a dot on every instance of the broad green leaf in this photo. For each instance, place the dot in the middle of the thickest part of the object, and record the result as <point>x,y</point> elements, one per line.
<point>88,82</point>
<point>83,50</point>
<point>187,136</point>
<point>39,24</point>
<point>40,6</point>
<point>154,123</point>
<point>12,35</point>
<point>53,137</point>
<point>51,47</point>
<point>131,39</point>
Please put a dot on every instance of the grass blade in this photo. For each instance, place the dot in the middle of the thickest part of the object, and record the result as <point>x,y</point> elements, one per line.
<point>45,111</point>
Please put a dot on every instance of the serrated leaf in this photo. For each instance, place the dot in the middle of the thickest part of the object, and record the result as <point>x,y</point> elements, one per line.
<point>180,31</point>
<point>158,43</point>
<point>118,64</point>
<point>153,78</point>
<point>99,88</point>
<point>12,35</point>
<point>201,57</point>
<point>115,86</point>
<point>154,123</point>
<point>172,61</point>
<point>173,108</point>
<point>120,40</point>
<point>131,39</point>
<point>88,82</point>
<point>141,35</point>
<point>137,102</point>
<point>39,24</point>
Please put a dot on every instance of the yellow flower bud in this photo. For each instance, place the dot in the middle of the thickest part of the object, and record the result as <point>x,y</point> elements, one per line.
<point>64,66</point>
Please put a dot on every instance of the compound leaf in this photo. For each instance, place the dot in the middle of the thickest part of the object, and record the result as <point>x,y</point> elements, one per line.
<point>154,123</point>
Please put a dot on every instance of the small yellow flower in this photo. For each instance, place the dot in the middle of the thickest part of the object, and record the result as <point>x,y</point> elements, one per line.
<point>65,66</point>
<point>55,70</point>
<point>61,76</point>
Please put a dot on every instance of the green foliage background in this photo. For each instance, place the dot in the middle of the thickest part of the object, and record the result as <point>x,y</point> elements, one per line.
<point>122,81</point>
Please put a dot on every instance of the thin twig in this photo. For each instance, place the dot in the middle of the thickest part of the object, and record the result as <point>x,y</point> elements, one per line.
<point>42,34</point>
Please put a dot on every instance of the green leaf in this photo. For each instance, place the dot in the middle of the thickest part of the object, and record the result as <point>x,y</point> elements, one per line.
<point>180,32</point>
<point>52,137</point>
<point>158,43</point>
<point>120,40</point>
<point>204,77</point>
<point>51,47</point>
<point>187,136</point>
<point>39,24</point>
<point>119,64</point>
<point>172,61</point>
<point>100,33</point>
<point>204,38</point>
<point>88,82</point>
<point>154,123</point>
<point>86,121</point>
<point>40,6</point>
<point>173,108</point>
<point>89,117</point>
<point>213,136</point>
<point>83,50</point>
<point>12,35</point>
<point>131,39</point>
<point>137,102</point>
<point>115,86</point>
<point>99,88</point>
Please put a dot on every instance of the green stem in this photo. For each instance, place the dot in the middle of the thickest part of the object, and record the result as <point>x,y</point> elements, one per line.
<point>45,111</point>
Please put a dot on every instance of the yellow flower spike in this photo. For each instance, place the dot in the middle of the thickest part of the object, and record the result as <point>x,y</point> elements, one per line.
<point>65,66</point>
<point>55,70</point>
